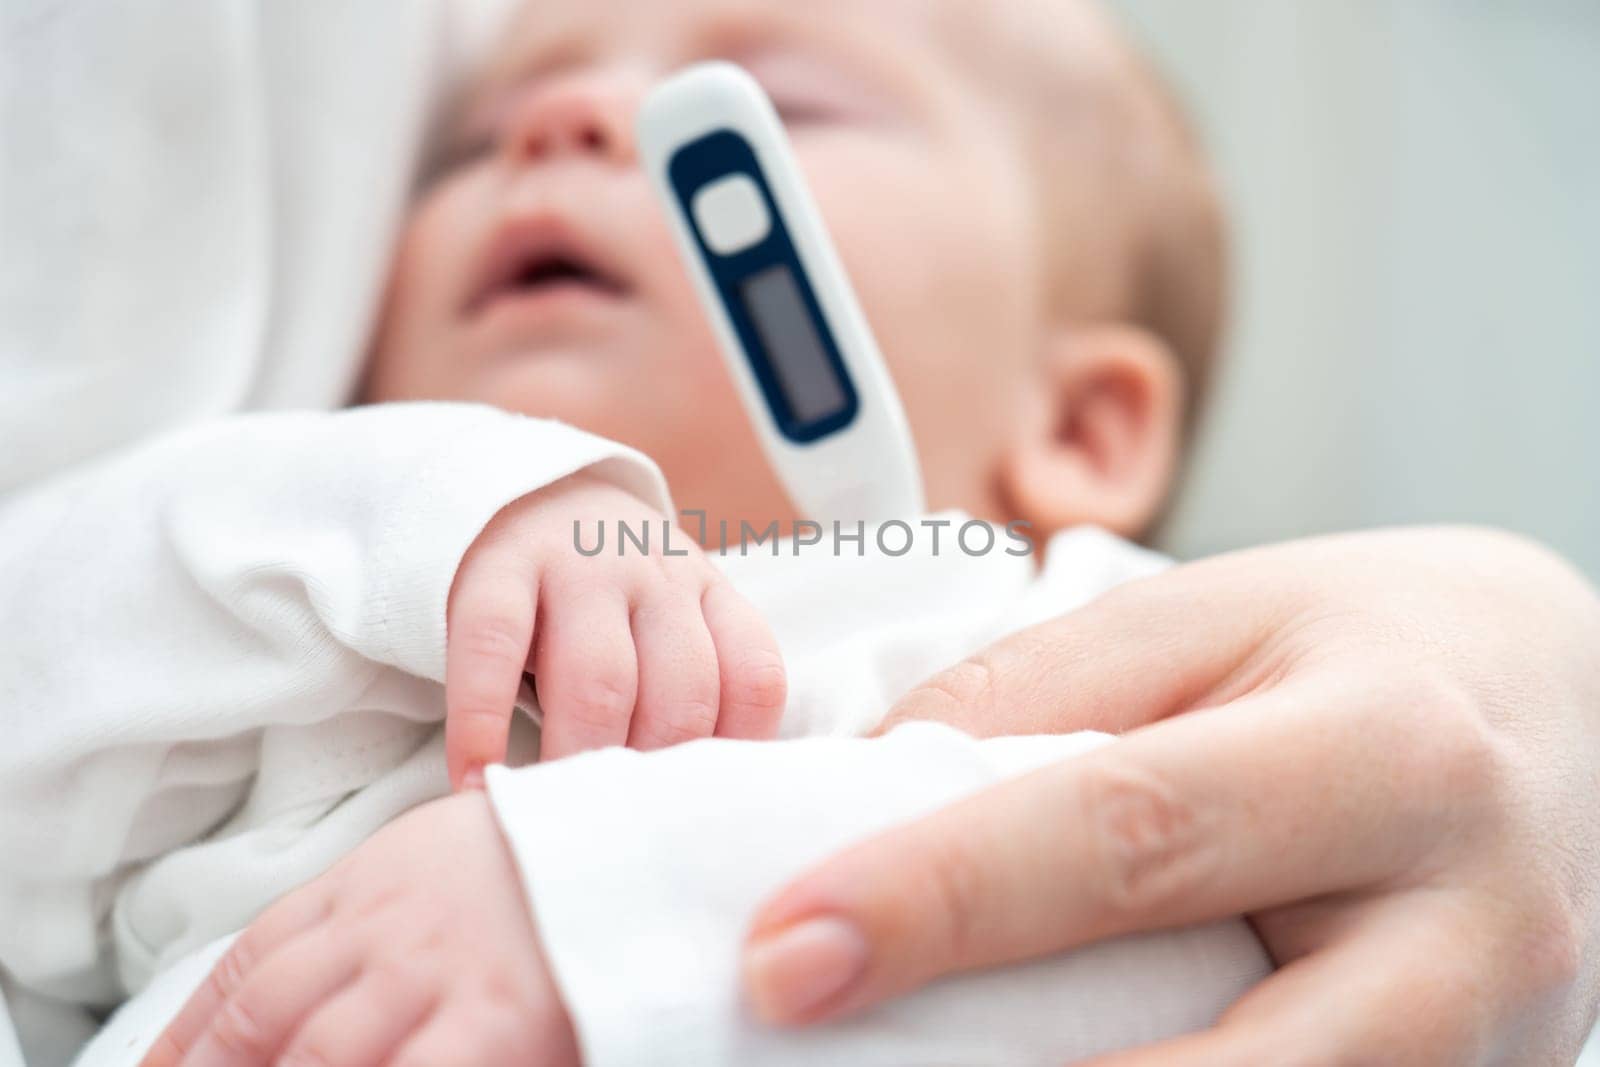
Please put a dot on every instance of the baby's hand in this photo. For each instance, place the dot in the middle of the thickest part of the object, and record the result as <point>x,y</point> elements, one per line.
<point>392,957</point>
<point>630,648</point>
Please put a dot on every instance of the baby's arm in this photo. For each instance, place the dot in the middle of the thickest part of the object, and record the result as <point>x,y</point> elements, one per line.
<point>627,646</point>
<point>160,609</point>
<point>642,887</point>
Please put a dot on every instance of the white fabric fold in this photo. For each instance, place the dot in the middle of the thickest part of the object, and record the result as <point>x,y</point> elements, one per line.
<point>644,886</point>
<point>643,871</point>
<point>197,203</point>
<point>225,656</point>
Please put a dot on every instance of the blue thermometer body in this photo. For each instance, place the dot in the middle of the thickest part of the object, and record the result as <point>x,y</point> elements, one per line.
<point>790,329</point>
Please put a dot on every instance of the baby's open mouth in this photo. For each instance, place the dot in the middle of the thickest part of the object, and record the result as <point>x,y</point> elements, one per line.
<point>541,257</point>
<point>556,271</point>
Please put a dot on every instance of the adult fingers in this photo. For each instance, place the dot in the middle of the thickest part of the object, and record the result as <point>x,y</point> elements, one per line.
<point>283,921</point>
<point>1137,654</point>
<point>586,669</point>
<point>1407,987</point>
<point>1203,816</point>
<point>678,679</point>
<point>492,610</point>
<point>749,664</point>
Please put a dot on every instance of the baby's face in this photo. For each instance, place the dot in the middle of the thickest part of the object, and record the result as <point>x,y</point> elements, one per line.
<point>538,273</point>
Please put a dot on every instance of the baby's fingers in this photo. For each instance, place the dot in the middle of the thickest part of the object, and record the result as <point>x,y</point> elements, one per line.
<point>254,1023</point>
<point>363,1024</point>
<point>491,629</point>
<point>585,668</point>
<point>483,1031</point>
<point>678,684</point>
<point>278,926</point>
<point>750,667</point>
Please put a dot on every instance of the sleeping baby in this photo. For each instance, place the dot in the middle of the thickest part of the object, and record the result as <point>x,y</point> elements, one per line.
<point>1029,180</point>
<point>1033,236</point>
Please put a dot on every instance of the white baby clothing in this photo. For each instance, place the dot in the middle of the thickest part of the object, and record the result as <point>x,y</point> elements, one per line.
<point>643,870</point>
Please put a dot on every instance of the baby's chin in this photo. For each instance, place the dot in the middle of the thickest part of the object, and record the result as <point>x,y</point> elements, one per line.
<point>552,377</point>
<point>573,383</point>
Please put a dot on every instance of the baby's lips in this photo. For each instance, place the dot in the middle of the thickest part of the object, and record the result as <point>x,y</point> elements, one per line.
<point>525,249</point>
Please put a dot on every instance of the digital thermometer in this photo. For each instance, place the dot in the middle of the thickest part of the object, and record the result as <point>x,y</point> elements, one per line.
<point>795,340</point>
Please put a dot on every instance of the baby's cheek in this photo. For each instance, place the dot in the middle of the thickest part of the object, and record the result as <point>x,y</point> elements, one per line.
<point>951,299</point>
<point>430,272</point>
<point>446,232</point>
<point>933,247</point>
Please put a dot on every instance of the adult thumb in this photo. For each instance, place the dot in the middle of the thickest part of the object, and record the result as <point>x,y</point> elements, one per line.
<point>1182,639</point>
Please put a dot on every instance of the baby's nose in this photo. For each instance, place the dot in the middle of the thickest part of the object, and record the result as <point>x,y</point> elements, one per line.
<point>577,114</point>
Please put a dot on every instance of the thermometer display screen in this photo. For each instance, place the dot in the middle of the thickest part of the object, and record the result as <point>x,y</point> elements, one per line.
<point>768,296</point>
<point>804,372</point>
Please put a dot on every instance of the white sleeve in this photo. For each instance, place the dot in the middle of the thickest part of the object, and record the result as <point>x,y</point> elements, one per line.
<point>159,611</point>
<point>644,870</point>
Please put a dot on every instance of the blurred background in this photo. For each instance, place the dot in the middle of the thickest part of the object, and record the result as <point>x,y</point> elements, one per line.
<point>1415,189</point>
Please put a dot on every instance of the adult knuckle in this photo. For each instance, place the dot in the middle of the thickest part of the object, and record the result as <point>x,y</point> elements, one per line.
<point>1448,743</point>
<point>1550,945</point>
<point>957,884</point>
<point>1555,960</point>
<point>966,689</point>
<point>1149,840</point>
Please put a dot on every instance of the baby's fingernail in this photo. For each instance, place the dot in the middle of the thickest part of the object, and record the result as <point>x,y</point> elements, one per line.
<point>799,968</point>
<point>473,779</point>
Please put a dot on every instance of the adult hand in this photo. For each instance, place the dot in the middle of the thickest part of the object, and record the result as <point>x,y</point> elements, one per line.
<point>1384,748</point>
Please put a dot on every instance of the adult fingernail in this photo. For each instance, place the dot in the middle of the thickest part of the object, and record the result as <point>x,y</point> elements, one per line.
<point>473,779</point>
<point>800,968</point>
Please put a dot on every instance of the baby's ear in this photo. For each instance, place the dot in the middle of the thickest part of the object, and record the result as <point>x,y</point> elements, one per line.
<point>1100,442</point>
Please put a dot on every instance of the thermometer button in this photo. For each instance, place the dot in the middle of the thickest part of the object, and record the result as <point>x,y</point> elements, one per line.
<point>731,214</point>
